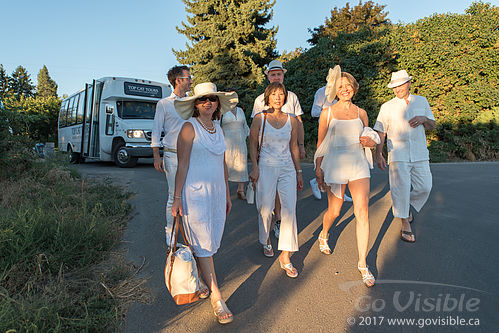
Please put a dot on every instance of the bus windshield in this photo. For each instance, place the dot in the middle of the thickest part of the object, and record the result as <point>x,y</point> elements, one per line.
<point>136,109</point>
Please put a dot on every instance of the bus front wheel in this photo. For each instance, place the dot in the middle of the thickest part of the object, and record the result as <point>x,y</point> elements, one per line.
<point>122,158</point>
<point>72,156</point>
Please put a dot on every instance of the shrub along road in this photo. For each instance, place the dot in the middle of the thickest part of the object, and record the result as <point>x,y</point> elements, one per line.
<point>445,282</point>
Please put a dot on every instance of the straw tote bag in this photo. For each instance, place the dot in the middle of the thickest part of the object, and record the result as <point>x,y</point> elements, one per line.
<point>181,273</point>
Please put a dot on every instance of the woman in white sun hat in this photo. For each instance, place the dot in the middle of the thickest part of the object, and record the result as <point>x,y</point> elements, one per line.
<point>341,160</point>
<point>201,186</point>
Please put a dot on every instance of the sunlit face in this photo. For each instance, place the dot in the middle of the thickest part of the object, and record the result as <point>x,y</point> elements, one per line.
<point>276,75</point>
<point>344,89</point>
<point>206,104</point>
<point>184,81</point>
<point>402,91</point>
<point>276,99</point>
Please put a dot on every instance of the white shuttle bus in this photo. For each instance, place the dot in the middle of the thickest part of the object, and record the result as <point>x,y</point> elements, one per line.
<point>110,120</point>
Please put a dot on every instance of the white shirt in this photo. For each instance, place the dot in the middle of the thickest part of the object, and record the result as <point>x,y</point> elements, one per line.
<point>405,144</point>
<point>292,105</point>
<point>166,120</point>
<point>320,102</point>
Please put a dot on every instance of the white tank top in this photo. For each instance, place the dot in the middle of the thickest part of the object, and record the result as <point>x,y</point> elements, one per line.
<point>275,147</point>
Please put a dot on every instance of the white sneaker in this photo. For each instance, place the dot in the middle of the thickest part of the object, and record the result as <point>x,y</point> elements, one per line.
<point>315,188</point>
<point>347,198</point>
<point>277,225</point>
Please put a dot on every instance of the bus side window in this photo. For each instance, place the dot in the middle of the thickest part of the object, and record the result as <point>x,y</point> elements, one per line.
<point>62,114</point>
<point>74,110</point>
<point>69,110</point>
<point>79,114</point>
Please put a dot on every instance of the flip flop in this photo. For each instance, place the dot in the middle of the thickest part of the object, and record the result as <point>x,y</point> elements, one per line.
<point>407,233</point>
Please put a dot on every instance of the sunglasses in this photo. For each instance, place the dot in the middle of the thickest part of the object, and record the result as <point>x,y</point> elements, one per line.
<point>211,98</point>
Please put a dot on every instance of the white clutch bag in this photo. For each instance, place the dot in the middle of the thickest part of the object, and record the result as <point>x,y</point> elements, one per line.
<point>250,194</point>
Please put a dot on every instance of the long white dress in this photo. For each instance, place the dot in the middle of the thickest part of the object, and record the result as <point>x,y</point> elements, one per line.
<point>204,192</point>
<point>236,156</point>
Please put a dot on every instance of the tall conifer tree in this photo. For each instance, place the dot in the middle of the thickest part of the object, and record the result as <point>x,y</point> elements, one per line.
<point>20,83</point>
<point>46,86</point>
<point>229,43</point>
<point>4,82</point>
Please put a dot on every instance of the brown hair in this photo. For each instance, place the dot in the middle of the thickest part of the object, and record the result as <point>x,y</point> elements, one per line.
<point>352,81</point>
<point>215,116</point>
<point>174,72</point>
<point>273,87</point>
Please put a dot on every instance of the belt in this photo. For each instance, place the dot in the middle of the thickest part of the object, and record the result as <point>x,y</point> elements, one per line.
<point>170,150</point>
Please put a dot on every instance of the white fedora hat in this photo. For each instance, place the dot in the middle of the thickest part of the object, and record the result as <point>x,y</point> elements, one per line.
<point>185,106</point>
<point>275,65</point>
<point>332,78</point>
<point>399,78</point>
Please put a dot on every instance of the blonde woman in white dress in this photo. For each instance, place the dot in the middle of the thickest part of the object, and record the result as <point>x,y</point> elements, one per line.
<point>201,187</point>
<point>236,131</point>
<point>341,160</point>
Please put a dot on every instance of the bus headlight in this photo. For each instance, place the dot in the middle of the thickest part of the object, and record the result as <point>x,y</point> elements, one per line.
<point>135,134</point>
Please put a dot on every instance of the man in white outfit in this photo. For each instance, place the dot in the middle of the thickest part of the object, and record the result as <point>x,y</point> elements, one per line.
<point>320,103</point>
<point>168,121</point>
<point>275,73</point>
<point>403,120</point>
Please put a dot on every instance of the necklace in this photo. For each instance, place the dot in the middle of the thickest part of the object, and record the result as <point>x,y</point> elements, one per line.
<point>211,130</point>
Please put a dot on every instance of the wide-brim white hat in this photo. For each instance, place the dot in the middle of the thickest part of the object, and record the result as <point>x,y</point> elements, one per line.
<point>185,106</point>
<point>333,77</point>
<point>275,65</point>
<point>399,78</point>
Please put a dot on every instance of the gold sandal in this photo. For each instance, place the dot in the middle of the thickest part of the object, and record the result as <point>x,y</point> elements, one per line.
<point>220,310</point>
<point>323,245</point>
<point>289,269</point>
<point>367,276</point>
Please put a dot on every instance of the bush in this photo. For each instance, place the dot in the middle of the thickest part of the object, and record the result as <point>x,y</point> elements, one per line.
<point>56,231</point>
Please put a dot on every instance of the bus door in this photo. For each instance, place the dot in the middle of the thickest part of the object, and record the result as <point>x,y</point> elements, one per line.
<point>90,135</point>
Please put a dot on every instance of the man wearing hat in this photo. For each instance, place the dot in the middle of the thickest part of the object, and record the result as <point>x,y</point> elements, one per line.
<point>168,121</point>
<point>275,73</point>
<point>403,120</point>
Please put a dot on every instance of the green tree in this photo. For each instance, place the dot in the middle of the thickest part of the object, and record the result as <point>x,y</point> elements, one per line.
<point>4,82</point>
<point>46,86</point>
<point>350,19</point>
<point>229,43</point>
<point>20,83</point>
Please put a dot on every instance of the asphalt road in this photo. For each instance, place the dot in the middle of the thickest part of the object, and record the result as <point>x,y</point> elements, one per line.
<point>448,281</point>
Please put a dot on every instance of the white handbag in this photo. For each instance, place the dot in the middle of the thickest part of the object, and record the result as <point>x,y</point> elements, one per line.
<point>250,194</point>
<point>181,273</point>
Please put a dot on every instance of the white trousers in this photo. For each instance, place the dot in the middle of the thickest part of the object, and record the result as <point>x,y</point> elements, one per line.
<point>170,163</point>
<point>403,175</point>
<point>282,179</point>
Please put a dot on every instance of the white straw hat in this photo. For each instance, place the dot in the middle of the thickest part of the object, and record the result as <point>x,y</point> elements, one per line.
<point>399,78</point>
<point>332,78</point>
<point>275,65</point>
<point>185,106</point>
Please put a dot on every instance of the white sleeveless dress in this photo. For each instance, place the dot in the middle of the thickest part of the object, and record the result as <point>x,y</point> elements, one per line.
<point>204,192</point>
<point>236,156</point>
<point>344,157</point>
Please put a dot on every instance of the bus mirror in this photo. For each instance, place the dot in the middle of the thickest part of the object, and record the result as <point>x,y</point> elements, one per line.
<point>109,109</point>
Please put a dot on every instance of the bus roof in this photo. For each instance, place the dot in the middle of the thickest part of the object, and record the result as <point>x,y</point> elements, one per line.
<point>115,86</point>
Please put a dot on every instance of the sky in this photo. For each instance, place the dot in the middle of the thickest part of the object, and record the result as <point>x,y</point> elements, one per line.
<point>83,40</point>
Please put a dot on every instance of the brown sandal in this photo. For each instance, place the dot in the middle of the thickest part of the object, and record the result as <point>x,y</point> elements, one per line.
<point>241,195</point>
<point>407,233</point>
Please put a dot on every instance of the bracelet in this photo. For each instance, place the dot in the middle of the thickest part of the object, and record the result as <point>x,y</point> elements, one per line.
<point>177,197</point>
<point>299,171</point>
<point>301,144</point>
